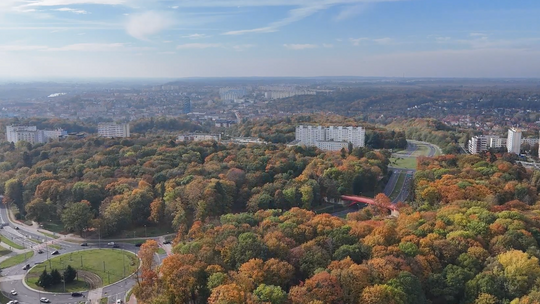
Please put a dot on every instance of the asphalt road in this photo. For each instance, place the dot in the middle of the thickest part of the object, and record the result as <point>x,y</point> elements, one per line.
<point>12,277</point>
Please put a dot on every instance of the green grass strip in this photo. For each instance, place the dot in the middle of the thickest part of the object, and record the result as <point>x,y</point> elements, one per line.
<point>10,243</point>
<point>18,259</point>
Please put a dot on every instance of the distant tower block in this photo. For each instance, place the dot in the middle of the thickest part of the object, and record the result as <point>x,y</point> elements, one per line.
<point>186,105</point>
<point>513,144</point>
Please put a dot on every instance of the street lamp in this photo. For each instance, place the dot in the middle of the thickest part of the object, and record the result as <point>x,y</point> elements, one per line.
<point>99,233</point>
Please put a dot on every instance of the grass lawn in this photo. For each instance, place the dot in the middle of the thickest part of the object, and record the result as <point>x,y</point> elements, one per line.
<point>108,264</point>
<point>422,150</point>
<point>104,301</point>
<point>10,243</point>
<point>3,298</point>
<point>161,251</point>
<point>405,163</point>
<point>18,259</point>
<point>399,184</point>
<point>141,232</point>
<point>57,247</point>
<point>48,234</point>
<point>4,251</point>
<point>53,226</point>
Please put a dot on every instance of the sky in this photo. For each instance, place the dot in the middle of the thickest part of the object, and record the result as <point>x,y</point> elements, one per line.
<point>243,38</point>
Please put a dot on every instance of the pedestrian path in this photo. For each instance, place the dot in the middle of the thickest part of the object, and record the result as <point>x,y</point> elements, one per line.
<point>11,278</point>
<point>95,295</point>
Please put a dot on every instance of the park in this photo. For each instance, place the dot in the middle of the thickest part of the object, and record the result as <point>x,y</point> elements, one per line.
<point>95,268</point>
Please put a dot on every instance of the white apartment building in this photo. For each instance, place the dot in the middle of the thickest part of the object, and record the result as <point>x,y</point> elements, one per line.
<point>481,143</point>
<point>32,135</point>
<point>497,142</point>
<point>199,137</point>
<point>113,130</point>
<point>530,141</point>
<point>513,143</point>
<point>330,138</point>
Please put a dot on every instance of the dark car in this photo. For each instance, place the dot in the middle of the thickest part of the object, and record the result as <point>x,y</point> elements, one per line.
<point>166,242</point>
<point>16,228</point>
<point>40,251</point>
<point>138,244</point>
<point>84,244</point>
<point>115,246</point>
<point>55,252</point>
<point>26,267</point>
<point>76,294</point>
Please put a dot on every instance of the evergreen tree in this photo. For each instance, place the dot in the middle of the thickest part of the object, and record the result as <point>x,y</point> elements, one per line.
<point>70,274</point>
<point>45,280</point>
<point>56,277</point>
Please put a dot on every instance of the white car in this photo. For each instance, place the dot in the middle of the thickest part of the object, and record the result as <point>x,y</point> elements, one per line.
<point>13,292</point>
<point>13,302</point>
<point>44,300</point>
<point>119,301</point>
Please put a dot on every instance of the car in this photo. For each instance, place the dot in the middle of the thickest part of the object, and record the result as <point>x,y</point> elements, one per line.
<point>166,242</point>
<point>110,244</point>
<point>26,267</point>
<point>119,301</point>
<point>55,252</point>
<point>44,300</point>
<point>76,294</point>
<point>138,244</point>
<point>13,293</point>
<point>16,228</point>
<point>13,302</point>
<point>84,244</point>
<point>116,246</point>
<point>40,251</point>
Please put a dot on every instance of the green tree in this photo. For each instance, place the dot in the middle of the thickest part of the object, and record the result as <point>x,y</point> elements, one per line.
<point>270,294</point>
<point>56,276</point>
<point>39,210</point>
<point>411,286</point>
<point>70,274</point>
<point>249,247</point>
<point>14,192</point>
<point>77,217</point>
<point>356,252</point>
<point>45,280</point>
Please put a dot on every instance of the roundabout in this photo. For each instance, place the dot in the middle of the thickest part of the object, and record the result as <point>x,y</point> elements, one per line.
<point>95,268</point>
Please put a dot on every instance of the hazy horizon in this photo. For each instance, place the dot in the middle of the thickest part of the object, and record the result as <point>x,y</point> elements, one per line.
<point>174,39</point>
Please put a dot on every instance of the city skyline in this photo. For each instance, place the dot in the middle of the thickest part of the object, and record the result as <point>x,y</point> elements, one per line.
<point>239,38</point>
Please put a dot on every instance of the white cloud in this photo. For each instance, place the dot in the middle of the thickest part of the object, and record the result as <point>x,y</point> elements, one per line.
<point>384,41</point>
<point>146,24</point>
<point>71,10</point>
<point>71,2</point>
<point>300,46</point>
<point>351,11</point>
<point>305,8</point>
<point>196,36</point>
<point>477,34</point>
<point>243,47</point>
<point>197,46</point>
<point>356,41</point>
<point>328,45</point>
<point>20,48</point>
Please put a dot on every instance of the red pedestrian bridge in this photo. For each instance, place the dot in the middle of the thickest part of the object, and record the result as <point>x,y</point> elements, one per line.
<point>355,200</point>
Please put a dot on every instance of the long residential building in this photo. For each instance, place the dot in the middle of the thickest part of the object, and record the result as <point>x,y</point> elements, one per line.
<point>198,137</point>
<point>32,135</point>
<point>113,130</point>
<point>330,138</point>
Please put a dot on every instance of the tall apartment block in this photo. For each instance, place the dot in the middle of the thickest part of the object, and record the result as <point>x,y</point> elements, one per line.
<point>31,134</point>
<point>330,138</point>
<point>513,143</point>
<point>113,130</point>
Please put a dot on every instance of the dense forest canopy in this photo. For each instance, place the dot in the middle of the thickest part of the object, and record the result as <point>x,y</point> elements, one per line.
<point>471,236</point>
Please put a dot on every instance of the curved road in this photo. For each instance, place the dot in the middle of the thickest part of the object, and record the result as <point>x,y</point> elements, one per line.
<point>12,277</point>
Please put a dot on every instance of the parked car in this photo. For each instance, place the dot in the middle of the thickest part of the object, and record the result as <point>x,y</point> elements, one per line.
<point>55,252</point>
<point>44,300</point>
<point>166,242</point>
<point>84,244</point>
<point>76,294</point>
<point>13,292</point>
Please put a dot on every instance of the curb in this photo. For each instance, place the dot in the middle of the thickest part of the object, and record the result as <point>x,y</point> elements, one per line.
<point>69,293</point>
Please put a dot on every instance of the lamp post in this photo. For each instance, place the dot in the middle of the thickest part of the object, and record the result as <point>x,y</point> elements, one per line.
<point>99,233</point>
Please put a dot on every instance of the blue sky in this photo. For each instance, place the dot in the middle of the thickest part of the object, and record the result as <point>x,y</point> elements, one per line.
<point>208,38</point>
